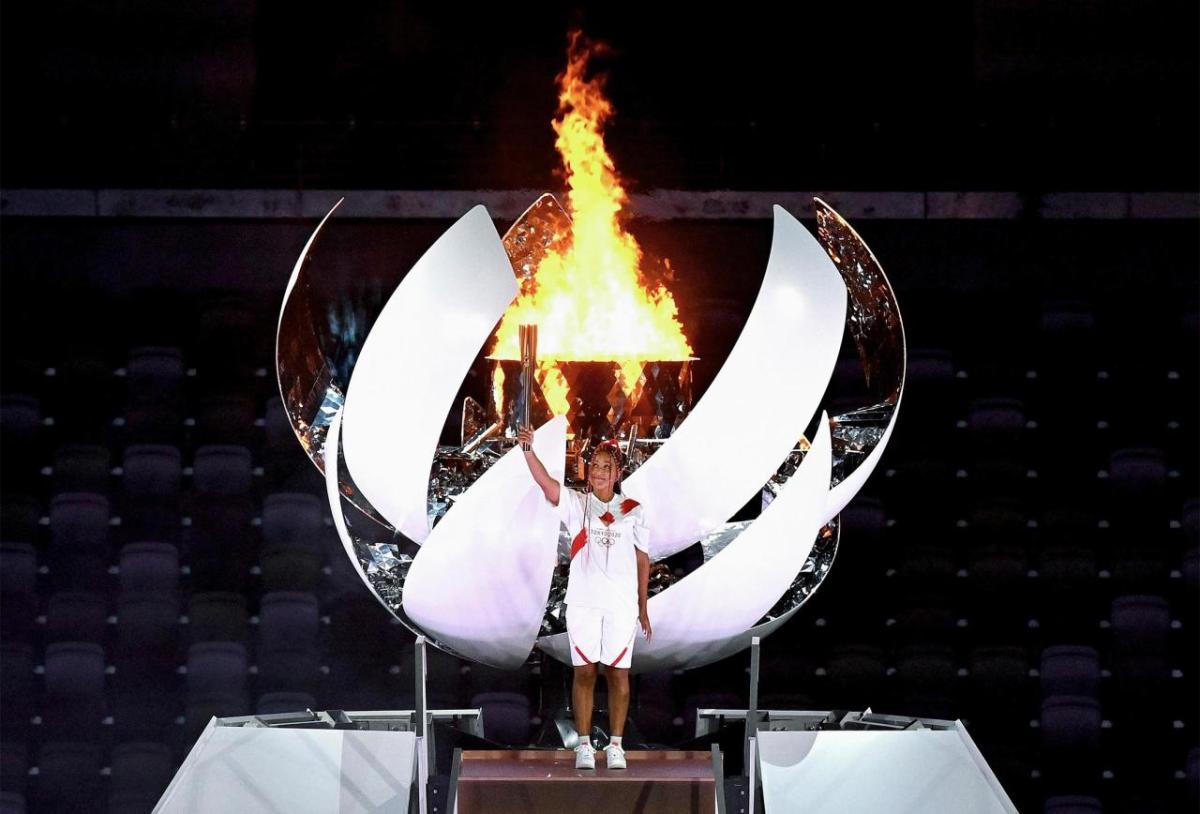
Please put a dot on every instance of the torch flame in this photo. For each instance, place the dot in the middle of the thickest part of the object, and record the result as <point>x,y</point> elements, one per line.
<point>591,301</point>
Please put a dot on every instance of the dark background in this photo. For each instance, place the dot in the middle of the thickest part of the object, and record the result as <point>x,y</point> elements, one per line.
<point>1040,491</point>
<point>943,95</point>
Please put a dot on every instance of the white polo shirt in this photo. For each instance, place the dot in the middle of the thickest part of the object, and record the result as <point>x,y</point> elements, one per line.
<point>604,541</point>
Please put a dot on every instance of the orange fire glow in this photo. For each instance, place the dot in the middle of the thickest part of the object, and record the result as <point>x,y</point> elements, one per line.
<point>498,389</point>
<point>592,300</point>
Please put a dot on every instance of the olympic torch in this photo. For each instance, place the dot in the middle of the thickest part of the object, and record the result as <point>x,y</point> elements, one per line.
<point>527,336</point>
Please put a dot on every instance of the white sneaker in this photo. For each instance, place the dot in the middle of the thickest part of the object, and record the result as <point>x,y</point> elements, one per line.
<point>585,756</point>
<point>614,756</point>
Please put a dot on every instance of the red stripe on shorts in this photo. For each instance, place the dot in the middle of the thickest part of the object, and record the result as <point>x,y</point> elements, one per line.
<point>585,658</point>
<point>616,660</point>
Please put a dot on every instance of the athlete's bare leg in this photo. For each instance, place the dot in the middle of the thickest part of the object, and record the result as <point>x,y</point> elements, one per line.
<point>583,692</point>
<point>618,698</point>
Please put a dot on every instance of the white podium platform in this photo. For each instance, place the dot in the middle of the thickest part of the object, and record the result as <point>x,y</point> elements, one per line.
<point>263,769</point>
<point>922,770</point>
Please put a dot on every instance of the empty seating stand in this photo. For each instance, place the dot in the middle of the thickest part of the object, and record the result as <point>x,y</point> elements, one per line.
<point>1026,560</point>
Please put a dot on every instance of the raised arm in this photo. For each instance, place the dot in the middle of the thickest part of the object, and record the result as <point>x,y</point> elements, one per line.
<point>550,487</point>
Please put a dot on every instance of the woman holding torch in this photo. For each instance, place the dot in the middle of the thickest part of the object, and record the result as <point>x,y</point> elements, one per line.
<point>606,591</point>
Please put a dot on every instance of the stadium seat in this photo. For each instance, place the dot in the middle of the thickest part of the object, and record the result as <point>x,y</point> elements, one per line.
<point>76,617</point>
<point>292,519</point>
<point>74,703</point>
<point>155,376</point>
<point>19,516</point>
<point>18,591</point>
<point>1070,728</point>
<point>1139,565</point>
<point>927,679</point>
<point>999,682</point>
<point>292,550</point>
<point>216,668</point>
<point>221,542</point>
<point>288,619</point>
<point>68,778</point>
<point>1140,626</point>
<point>153,423</point>
<point>152,470</point>
<point>148,628</point>
<point>154,408</point>
<point>149,568</point>
<point>1140,664</point>
<point>218,617</point>
<point>145,705</point>
<point>222,470</point>
<point>75,668</point>
<point>16,689</point>
<point>1072,670</point>
<point>140,768</point>
<point>82,468</point>
<point>14,766</point>
<point>291,569</point>
<point>1069,602</point>
<point>227,419</point>
<point>1137,480</point>
<point>79,520</point>
<point>20,432</point>
<point>78,556</point>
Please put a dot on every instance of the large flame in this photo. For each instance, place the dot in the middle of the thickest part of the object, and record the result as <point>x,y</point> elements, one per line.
<point>591,301</point>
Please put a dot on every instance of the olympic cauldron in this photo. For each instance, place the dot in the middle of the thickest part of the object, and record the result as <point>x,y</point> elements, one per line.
<point>629,398</point>
<point>464,551</point>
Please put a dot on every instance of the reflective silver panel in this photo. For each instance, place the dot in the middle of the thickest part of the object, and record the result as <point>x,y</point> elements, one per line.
<point>874,322</point>
<point>311,394</point>
<point>874,318</point>
<point>383,555</point>
<point>542,228</point>
<point>315,346</point>
<point>312,366</point>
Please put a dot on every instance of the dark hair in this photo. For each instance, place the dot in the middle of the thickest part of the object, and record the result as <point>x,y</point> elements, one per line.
<point>613,449</point>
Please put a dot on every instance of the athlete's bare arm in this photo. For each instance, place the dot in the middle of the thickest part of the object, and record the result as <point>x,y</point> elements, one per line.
<point>550,487</point>
<point>643,566</point>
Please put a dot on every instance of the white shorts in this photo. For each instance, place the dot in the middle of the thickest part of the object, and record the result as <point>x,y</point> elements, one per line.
<point>599,635</point>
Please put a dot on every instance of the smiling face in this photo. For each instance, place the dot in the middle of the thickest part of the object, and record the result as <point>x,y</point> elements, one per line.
<point>604,473</point>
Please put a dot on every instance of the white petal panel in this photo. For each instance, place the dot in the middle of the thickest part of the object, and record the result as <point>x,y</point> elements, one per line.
<point>479,583</point>
<point>413,362</point>
<point>759,402</point>
<point>707,615</point>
